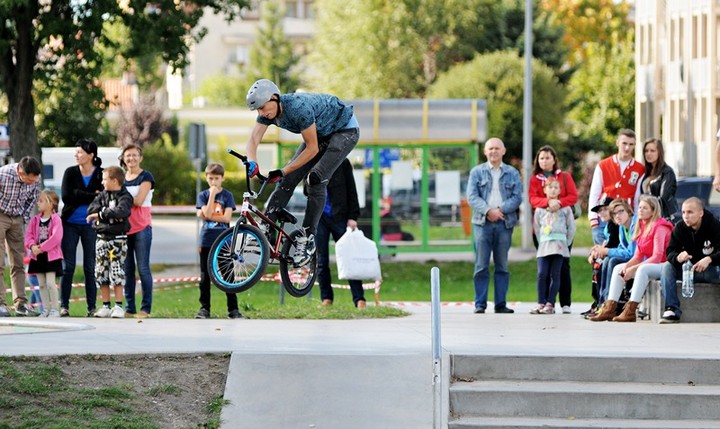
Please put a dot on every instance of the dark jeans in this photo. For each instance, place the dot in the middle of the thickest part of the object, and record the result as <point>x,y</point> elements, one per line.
<point>321,168</point>
<point>336,228</point>
<point>549,268</point>
<point>72,234</point>
<point>565,291</point>
<point>138,254</point>
<point>232,301</point>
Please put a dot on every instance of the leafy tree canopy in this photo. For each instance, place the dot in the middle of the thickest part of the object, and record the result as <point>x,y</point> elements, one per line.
<point>399,46</point>
<point>271,55</point>
<point>53,43</point>
<point>498,78</point>
<point>602,96</point>
<point>589,22</point>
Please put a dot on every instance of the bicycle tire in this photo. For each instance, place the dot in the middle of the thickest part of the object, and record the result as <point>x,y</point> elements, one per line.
<point>297,281</point>
<point>239,270</point>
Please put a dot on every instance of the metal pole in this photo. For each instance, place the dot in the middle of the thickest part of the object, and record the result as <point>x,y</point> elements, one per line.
<point>527,129</point>
<point>436,347</point>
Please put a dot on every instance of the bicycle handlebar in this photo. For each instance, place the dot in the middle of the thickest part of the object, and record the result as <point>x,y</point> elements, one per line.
<point>244,159</point>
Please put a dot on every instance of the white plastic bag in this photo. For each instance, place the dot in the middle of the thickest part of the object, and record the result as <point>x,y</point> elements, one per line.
<point>357,257</point>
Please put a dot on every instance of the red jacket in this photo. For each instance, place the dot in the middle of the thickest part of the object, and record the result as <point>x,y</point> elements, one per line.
<point>568,191</point>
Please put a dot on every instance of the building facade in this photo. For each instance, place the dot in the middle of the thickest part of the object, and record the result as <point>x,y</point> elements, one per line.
<point>226,47</point>
<point>677,97</point>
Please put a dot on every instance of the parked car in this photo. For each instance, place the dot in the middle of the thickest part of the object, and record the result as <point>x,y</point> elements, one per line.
<point>700,187</point>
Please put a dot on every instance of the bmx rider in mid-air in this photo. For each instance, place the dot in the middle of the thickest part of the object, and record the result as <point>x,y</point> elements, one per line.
<point>329,130</point>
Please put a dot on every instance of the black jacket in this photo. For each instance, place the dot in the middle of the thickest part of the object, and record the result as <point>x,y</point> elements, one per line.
<point>664,188</point>
<point>701,243</point>
<point>343,194</point>
<point>75,193</point>
<point>113,208</point>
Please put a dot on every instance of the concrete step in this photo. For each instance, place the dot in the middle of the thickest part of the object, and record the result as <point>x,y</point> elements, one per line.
<point>591,369</point>
<point>571,399</point>
<point>555,423</point>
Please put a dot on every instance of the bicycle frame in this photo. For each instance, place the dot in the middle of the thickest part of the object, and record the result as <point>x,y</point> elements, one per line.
<point>248,212</point>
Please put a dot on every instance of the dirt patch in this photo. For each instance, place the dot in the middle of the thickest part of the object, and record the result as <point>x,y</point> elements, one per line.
<point>175,390</point>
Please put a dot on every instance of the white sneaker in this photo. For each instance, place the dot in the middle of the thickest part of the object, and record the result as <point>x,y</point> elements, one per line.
<point>44,313</point>
<point>304,249</point>
<point>117,312</point>
<point>103,312</point>
<point>566,309</point>
<point>54,313</point>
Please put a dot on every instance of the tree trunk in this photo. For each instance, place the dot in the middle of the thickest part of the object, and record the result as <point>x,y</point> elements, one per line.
<point>16,70</point>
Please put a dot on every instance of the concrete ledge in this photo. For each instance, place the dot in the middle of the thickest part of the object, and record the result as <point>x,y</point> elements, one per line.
<point>703,307</point>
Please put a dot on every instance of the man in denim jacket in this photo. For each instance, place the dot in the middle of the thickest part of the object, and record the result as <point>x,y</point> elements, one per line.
<point>494,192</point>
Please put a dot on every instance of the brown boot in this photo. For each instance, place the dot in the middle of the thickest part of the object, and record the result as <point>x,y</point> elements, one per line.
<point>628,314</point>
<point>607,312</point>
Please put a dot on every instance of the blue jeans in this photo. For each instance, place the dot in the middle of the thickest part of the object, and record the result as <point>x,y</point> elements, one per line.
<point>72,234</point>
<point>328,227</point>
<point>138,252</point>
<point>317,174</point>
<point>492,238</point>
<point>670,275</point>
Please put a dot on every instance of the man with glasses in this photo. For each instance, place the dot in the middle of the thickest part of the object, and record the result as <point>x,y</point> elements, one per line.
<point>19,191</point>
<point>616,176</point>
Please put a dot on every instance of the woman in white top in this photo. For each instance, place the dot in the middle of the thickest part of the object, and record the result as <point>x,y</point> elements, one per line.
<point>140,183</point>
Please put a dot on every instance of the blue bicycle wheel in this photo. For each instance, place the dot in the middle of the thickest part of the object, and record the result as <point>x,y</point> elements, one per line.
<point>237,269</point>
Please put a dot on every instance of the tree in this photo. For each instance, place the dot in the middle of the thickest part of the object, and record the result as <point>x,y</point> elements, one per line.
<point>400,46</point>
<point>602,96</point>
<point>143,124</point>
<point>43,40</point>
<point>367,48</point>
<point>589,22</point>
<point>271,55</point>
<point>224,91</point>
<point>498,78</point>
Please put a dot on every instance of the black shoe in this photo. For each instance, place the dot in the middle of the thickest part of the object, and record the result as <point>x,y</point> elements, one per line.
<point>504,310</point>
<point>669,316</point>
<point>91,312</point>
<point>586,313</point>
<point>236,315</point>
<point>64,312</point>
<point>479,310</point>
<point>202,314</point>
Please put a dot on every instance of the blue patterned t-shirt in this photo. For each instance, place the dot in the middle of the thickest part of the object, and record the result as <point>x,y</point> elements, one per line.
<point>210,230</point>
<point>301,110</point>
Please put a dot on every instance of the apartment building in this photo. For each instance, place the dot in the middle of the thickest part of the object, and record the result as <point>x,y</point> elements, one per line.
<point>226,47</point>
<point>677,93</point>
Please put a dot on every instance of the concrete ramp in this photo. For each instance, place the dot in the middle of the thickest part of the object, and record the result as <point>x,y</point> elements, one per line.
<point>328,391</point>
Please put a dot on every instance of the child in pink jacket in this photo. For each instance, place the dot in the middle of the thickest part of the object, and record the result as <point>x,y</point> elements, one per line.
<point>42,237</point>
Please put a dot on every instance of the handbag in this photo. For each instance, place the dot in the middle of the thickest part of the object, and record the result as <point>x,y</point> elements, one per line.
<point>357,257</point>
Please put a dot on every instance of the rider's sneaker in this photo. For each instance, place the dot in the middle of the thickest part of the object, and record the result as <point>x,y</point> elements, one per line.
<point>304,249</point>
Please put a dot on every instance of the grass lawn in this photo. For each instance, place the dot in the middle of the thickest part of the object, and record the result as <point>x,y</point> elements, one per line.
<point>402,281</point>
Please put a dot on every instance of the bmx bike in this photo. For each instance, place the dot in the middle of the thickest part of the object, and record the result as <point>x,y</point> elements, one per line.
<point>240,255</point>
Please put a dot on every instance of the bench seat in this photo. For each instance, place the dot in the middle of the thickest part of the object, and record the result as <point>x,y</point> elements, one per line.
<point>703,307</point>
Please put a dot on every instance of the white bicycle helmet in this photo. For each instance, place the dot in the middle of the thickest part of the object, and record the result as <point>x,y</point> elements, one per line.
<point>260,93</point>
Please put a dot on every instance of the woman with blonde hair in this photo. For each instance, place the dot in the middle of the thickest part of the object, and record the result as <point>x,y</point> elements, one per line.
<point>652,235</point>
